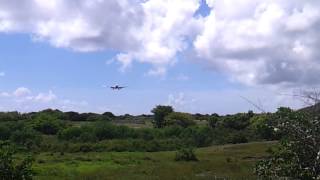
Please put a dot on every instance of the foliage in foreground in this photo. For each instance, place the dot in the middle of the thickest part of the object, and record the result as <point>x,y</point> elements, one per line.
<point>298,155</point>
<point>186,154</point>
<point>12,168</point>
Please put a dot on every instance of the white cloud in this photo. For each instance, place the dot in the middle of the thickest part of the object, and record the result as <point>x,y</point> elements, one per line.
<point>145,31</point>
<point>161,35</point>
<point>253,41</point>
<point>71,105</point>
<point>22,99</point>
<point>263,42</point>
<point>21,92</point>
<point>2,74</point>
<point>180,101</point>
<point>87,25</point>
<point>45,97</point>
<point>159,71</point>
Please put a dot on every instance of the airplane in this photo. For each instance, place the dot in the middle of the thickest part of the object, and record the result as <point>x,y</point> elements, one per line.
<point>116,87</point>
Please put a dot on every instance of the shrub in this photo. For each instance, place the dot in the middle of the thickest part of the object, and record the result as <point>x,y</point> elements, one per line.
<point>11,168</point>
<point>71,133</point>
<point>146,133</point>
<point>238,138</point>
<point>47,123</point>
<point>186,154</point>
<point>105,131</point>
<point>261,126</point>
<point>212,121</point>
<point>87,137</point>
<point>26,137</point>
<point>11,116</point>
<point>86,148</point>
<point>172,131</point>
<point>298,155</point>
<point>4,132</point>
<point>180,119</point>
<point>237,121</point>
<point>200,136</point>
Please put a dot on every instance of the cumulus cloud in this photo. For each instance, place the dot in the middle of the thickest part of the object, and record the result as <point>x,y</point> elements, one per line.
<point>146,31</point>
<point>23,99</point>
<point>21,92</point>
<point>166,26</point>
<point>45,97</point>
<point>262,42</point>
<point>253,41</point>
<point>71,105</point>
<point>85,25</point>
<point>180,101</point>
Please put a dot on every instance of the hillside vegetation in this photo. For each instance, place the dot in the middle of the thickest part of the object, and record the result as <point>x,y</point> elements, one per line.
<point>165,145</point>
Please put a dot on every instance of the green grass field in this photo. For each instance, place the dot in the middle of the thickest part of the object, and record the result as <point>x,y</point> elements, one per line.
<point>216,162</point>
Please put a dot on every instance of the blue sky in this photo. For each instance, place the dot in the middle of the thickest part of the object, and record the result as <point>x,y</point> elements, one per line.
<point>81,76</point>
<point>193,56</point>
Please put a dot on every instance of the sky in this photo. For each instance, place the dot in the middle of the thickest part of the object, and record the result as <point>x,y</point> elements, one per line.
<point>199,56</point>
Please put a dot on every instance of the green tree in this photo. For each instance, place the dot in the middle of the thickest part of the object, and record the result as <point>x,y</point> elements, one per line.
<point>47,123</point>
<point>180,119</point>
<point>4,132</point>
<point>26,137</point>
<point>10,167</point>
<point>160,112</point>
<point>261,126</point>
<point>71,133</point>
<point>212,121</point>
<point>11,116</point>
<point>109,115</point>
<point>237,121</point>
<point>298,155</point>
<point>72,116</point>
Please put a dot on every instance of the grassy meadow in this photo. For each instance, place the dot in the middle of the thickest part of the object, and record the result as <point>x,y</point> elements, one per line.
<point>215,162</point>
<point>72,146</point>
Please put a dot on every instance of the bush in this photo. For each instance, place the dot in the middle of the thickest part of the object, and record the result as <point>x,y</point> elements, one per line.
<point>186,154</point>
<point>47,124</point>
<point>297,155</point>
<point>26,137</point>
<point>212,121</point>
<point>180,119</point>
<point>4,132</point>
<point>261,126</point>
<point>146,133</point>
<point>71,133</point>
<point>11,116</point>
<point>238,138</point>
<point>237,121</point>
<point>199,136</point>
<point>11,168</point>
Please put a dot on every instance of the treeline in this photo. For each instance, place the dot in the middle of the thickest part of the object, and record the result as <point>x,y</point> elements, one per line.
<point>56,131</point>
<point>69,116</point>
<point>296,155</point>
